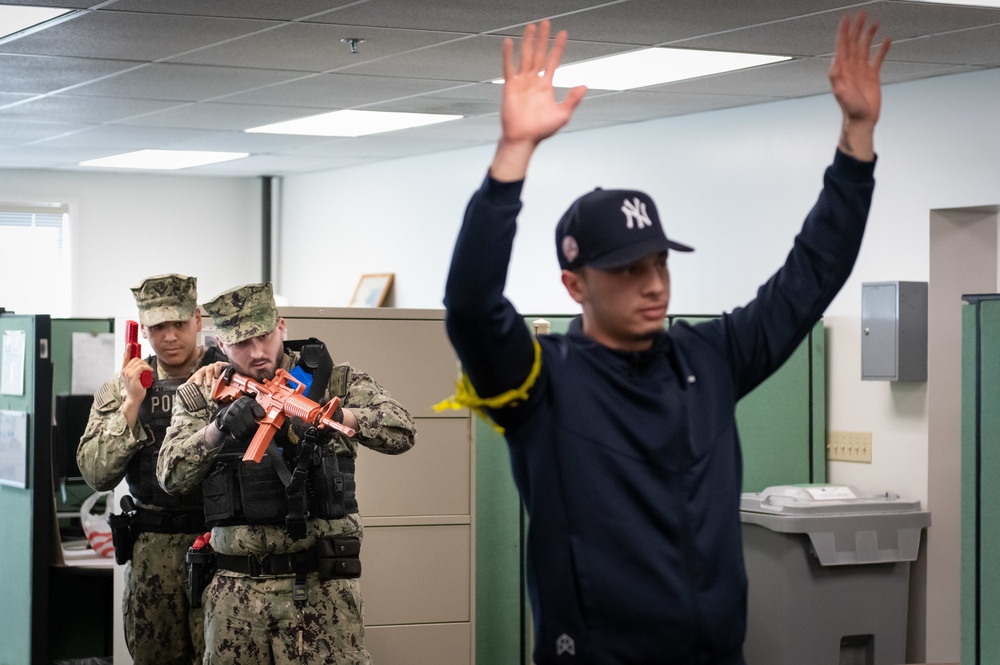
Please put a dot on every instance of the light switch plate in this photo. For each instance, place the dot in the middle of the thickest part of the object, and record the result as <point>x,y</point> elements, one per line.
<point>849,447</point>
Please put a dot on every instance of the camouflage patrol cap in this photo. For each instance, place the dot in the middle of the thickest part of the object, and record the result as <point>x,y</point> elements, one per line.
<point>166,298</point>
<point>243,312</point>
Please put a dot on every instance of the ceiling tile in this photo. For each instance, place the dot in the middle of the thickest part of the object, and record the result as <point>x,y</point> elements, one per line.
<point>143,37</point>
<point>473,59</point>
<point>815,34</point>
<point>183,82</point>
<point>281,164</point>
<point>795,78</point>
<point>82,109</point>
<point>42,74</point>
<point>119,138</point>
<point>279,10</point>
<point>318,47</point>
<point>905,20</point>
<point>633,106</point>
<point>7,98</point>
<point>437,105</point>
<point>240,142</point>
<point>208,115</point>
<point>66,4</point>
<point>338,91</point>
<point>975,46</point>
<point>487,92</point>
<point>15,132</point>
<point>652,22</point>
<point>458,15</point>
<point>483,129</point>
<point>389,146</point>
<point>36,156</point>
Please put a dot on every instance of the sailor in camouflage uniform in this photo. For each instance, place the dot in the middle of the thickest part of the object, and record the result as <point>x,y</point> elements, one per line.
<point>286,586</point>
<point>123,436</point>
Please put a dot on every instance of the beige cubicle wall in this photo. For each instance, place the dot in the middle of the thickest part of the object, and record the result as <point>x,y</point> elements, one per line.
<point>417,557</point>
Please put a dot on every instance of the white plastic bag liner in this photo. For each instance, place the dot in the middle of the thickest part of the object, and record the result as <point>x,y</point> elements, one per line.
<point>95,525</point>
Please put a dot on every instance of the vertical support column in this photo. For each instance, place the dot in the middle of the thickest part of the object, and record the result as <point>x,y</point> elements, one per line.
<point>266,185</point>
<point>963,259</point>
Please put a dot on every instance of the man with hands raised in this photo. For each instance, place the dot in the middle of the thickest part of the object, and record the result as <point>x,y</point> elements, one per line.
<point>622,436</point>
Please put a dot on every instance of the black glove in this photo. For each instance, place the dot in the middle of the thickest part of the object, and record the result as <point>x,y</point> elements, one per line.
<point>300,427</point>
<point>336,416</point>
<point>240,418</point>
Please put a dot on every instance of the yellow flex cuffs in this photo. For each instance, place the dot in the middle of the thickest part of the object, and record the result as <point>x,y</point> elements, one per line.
<point>465,395</point>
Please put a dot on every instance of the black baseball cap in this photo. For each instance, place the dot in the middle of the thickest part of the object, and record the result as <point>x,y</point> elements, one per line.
<point>611,228</point>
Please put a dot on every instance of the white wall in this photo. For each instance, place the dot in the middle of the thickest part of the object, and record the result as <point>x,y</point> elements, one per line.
<point>124,228</point>
<point>733,183</point>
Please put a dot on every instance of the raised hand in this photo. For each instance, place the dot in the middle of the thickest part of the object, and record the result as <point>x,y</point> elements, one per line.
<point>132,371</point>
<point>204,376</point>
<point>854,78</point>
<point>529,112</point>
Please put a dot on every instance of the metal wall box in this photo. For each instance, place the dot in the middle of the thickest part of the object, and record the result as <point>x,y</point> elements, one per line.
<point>894,331</point>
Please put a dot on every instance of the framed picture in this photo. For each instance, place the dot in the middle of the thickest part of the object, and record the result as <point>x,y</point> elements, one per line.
<point>372,290</point>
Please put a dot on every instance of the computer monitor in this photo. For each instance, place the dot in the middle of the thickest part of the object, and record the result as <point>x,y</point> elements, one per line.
<point>72,413</point>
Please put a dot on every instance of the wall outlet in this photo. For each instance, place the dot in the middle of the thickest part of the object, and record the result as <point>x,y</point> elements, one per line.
<point>849,447</point>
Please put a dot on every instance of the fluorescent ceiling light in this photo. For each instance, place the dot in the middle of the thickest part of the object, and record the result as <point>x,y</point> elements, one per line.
<point>352,123</point>
<point>163,160</point>
<point>17,18</point>
<point>971,3</point>
<point>639,69</point>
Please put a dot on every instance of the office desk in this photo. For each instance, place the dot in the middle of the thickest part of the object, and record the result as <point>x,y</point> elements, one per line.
<point>81,603</point>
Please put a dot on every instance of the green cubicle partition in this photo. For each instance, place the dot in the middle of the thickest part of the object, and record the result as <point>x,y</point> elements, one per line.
<point>980,491</point>
<point>503,625</point>
<point>71,493</point>
<point>40,612</point>
<point>25,494</point>
<point>783,421</point>
<point>75,634</point>
<point>783,434</point>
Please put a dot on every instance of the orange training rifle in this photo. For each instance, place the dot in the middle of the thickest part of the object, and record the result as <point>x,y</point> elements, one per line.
<point>279,401</point>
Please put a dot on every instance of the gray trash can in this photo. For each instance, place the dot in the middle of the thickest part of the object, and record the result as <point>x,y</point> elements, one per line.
<point>829,574</point>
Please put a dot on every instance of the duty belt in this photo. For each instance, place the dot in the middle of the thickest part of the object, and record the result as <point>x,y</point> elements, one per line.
<point>331,558</point>
<point>126,527</point>
<point>157,521</point>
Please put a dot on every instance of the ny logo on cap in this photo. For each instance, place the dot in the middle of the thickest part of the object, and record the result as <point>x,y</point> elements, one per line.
<point>635,214</point>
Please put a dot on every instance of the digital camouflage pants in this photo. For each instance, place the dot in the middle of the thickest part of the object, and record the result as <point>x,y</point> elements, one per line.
<point>160,626</point>
<point>254,621</point>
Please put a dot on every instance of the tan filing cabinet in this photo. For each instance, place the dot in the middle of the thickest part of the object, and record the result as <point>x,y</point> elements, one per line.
<point>417,557</point>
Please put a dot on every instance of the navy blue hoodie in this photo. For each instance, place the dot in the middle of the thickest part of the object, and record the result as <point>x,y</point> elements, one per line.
<point>628,463</point>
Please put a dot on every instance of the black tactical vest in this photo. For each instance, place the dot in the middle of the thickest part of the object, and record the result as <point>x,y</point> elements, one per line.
<point>237,492</point>
<point>154,415</point>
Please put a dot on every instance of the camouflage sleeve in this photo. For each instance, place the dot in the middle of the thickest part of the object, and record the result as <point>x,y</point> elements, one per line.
<point>108,444</point>
<point>383,424</point>
<point>186,457</point>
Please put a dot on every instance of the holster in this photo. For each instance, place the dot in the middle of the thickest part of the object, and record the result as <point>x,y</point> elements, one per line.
<point>201,569</point>
<point>123,537</point>
<point>133,521</point>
